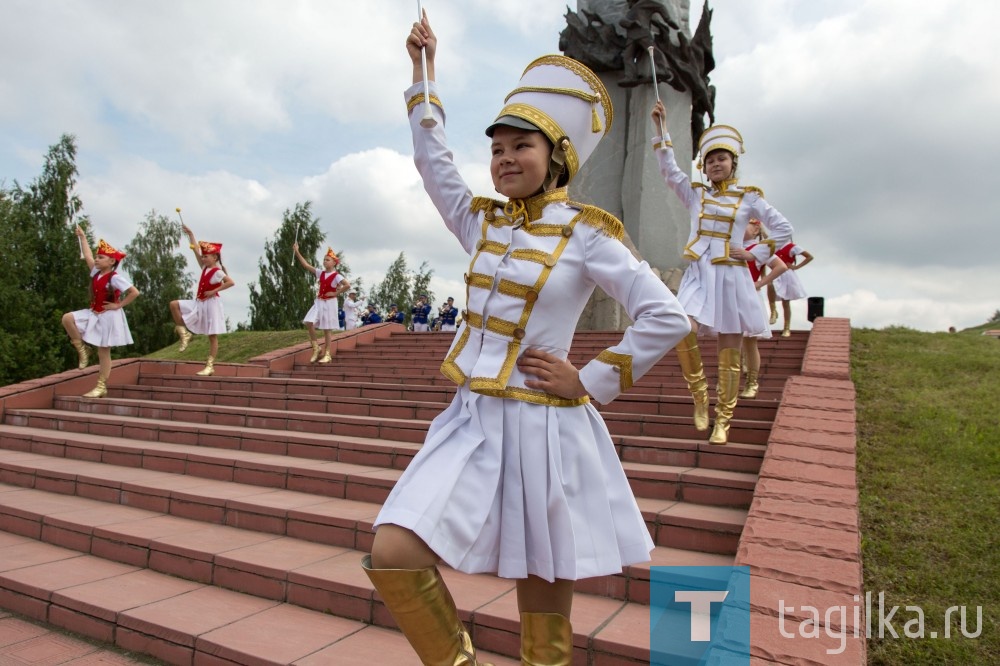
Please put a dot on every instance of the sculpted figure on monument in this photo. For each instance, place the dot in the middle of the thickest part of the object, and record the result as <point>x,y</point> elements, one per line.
<point>593,42</point>
<point>646,23</point>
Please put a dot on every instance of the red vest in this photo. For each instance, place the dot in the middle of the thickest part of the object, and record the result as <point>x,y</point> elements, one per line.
<point>326,284</point>
<point>786,254</point>
<point>752,265</point>
<point>204,283</point>
<point>99,293</point>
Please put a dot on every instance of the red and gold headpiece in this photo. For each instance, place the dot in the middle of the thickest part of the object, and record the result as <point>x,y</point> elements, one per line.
<point>104,248</point>
<point>330,253</point>
<point>208,247</point>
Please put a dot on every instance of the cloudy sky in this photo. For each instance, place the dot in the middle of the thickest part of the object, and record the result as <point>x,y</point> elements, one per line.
<point>870,125</point>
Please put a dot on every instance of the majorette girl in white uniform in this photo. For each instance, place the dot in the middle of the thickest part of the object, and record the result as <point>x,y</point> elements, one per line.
<point>716,290</point>
<point>758,252</point>
<point>324,313</point>
<point>788,287</point>
<point>103,324</point>
<point>519,475</point>
<point>204,315</point>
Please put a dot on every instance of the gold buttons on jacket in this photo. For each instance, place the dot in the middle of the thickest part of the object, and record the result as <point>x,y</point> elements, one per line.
<point>531,296</point>
<point>518,333</point>
<point>567,231</point>
<point>550,261</point>
<point>465,276</point>
<point>490,216</point>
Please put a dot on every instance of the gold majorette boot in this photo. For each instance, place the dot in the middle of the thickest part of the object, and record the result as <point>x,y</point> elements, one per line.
<point>326,357</point>
<point>184,335</point>
<point>315,354</point>
<point>751,387</point>
<point>694,373</point>
<point>209,368</point>
<point>98,391</point>
<point>725,394</point>
<point>546,640</point>
<point>774,315</point>
<point>81,348</point>
<point>425,612</point>
<point>786,332</point>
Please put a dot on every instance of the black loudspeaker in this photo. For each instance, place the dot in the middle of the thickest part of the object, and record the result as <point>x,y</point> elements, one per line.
<point>815,307</point>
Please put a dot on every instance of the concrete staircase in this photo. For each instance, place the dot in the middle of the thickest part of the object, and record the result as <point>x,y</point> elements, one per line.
<point>221,520</point>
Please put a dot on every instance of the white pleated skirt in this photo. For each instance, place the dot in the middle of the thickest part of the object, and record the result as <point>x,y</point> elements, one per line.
<point>722,299</point>
<point>517,489</point>
<point>323,315</point>
<point>766,309</point>
<point>103,329</point>
<point>205,317</point>
<point>788,286</point>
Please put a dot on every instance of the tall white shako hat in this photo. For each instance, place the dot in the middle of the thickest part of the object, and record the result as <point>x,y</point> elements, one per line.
<point>716,137</point>
<point>565,100</point>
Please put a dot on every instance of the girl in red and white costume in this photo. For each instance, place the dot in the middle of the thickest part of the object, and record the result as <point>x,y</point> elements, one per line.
<point>758,253</point>
<point>103,324</point>
<point>204,315</point>
<point>788,287</point>
<point>323,314</point>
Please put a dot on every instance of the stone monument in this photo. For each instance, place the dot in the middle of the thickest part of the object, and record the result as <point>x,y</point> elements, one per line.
<point>612,38</point>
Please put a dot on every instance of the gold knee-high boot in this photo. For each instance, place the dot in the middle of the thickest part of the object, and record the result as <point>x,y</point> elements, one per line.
<point>425,612</point>
<point>546,640</point>
<point>81,349</point>
<point>209,368</point>
<point>98,391</point>
<point>751,387</point>
<point>315,354</point>
<point>185,336</point>
<point>725,394</point>
<point>694,373</point>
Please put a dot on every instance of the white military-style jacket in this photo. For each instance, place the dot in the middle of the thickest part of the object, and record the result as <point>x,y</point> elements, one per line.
<point>719,214</point>
<point>534,264</point>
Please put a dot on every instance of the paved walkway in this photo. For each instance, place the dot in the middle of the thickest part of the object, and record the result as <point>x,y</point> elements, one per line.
<point>25,642</point>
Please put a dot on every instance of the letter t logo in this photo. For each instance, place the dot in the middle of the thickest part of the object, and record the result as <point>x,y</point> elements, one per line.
<point>701,610</point>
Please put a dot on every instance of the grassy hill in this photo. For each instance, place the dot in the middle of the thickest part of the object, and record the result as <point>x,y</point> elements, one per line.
<point>929,481</point>
<point>236,347</point>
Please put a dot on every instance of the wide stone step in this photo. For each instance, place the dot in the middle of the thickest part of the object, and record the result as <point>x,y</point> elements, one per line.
<point>184,622</point>
<point>751,423</point>
<point>271,566</point>
<point>414,403</point>
<point>29,451</point>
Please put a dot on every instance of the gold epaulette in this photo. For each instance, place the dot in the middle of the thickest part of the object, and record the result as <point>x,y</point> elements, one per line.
<point>600,219</point>
<point>754,188</point>
<point>484,205</point>
<point>695,185</point>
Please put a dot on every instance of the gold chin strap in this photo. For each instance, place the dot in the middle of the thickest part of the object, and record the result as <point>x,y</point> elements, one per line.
<point>557,163</point>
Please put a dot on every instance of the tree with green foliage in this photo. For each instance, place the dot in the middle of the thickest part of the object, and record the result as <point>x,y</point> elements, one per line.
<point>422,283</point>
<point>402,286</point>
<point>284,292</point>
<point>44,274</point>
<point>158,271</point>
